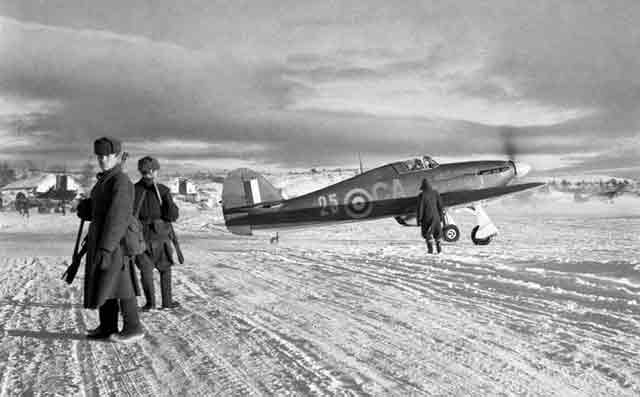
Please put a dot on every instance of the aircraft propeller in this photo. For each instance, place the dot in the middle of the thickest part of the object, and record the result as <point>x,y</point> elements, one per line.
<point>511,150</point>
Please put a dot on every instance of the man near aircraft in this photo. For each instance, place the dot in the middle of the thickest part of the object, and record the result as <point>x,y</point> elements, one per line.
<point>156,211</point>
<point>22,205</point>
<point>430,215</point>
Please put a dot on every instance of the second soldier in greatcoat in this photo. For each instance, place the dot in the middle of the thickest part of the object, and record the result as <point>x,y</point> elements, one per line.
<point>157,210</point>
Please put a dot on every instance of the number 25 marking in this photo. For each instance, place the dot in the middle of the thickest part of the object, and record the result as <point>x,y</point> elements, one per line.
<point>328,204</point>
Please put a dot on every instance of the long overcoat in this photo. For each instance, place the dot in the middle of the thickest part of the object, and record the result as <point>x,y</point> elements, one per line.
<point>111,206</point>
<point>430,212</point>
<point>156,217</point>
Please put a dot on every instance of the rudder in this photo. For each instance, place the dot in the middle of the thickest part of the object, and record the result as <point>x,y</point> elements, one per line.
<point>244,188</point>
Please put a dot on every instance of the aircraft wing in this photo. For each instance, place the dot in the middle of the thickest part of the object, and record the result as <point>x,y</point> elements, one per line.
<point>460,197</point>
<point>66,195</point>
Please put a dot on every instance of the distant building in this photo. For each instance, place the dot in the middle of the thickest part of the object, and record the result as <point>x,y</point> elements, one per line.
<point>184,188</point>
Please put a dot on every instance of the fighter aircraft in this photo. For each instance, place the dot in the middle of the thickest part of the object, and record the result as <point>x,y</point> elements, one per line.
<point>250,202</point>
<point>60,194</point>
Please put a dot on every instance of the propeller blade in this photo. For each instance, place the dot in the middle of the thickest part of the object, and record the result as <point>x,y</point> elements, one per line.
<point>509,145</point>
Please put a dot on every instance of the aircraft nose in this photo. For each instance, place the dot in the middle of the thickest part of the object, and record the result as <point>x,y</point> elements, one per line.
<point>521,168</point>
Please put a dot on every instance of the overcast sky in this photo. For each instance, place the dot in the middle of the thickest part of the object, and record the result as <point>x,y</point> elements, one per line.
<point>301,84</point>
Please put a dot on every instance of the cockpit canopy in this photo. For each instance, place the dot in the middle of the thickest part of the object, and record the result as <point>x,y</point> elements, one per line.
<point>417,164</point>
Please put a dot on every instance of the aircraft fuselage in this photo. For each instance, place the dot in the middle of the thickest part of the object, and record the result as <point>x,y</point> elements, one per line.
<point>389,190</point>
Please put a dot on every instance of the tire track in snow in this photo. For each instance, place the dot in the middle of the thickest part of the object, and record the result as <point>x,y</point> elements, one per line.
<point>116,368</point>
<point>10,347</point>
<point>196,356</point>
<point>397,336</point>
<point>264,344</point>
<point>288,317</point>
<point>623,380</point>
<point>252,338</point>
<point>382,279</point>
<point>576,332</point>
<point>33,345</point>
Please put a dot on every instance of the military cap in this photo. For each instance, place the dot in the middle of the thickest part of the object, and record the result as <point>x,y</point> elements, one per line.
<point>148,164</point>
<point>106,145</point>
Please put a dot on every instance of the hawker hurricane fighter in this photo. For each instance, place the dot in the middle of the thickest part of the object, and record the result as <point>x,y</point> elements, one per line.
<point>250,202</point>
<point>51,192</point>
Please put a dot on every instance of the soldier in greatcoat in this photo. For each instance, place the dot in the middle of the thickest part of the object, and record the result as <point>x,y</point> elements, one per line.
<point>110,282</point>
<point>430,215</point>
<point>156,211</point>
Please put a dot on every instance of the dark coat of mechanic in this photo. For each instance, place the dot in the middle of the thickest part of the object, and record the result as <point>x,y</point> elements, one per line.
<point>430,211</point>
<point>155,218</point>
<point>109,209</point>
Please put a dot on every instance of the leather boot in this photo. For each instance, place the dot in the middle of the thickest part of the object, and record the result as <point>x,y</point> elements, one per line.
<point>165,289</point>
<point>100,333</point>
<point>146,277</point>
<point>108,315</point>
<point>127,337</point>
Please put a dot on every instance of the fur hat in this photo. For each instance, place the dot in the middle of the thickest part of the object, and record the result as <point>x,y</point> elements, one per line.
<point>107,145</point>
<point>148,164</point>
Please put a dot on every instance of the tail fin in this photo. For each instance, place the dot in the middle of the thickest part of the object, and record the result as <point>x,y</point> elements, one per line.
<point>244,188</point>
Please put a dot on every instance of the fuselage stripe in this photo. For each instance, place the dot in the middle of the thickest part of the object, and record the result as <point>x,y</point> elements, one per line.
<point>255,191</point>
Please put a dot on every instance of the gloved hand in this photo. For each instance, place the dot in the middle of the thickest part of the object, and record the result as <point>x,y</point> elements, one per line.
<point>84,209</point>
<point>102,259</point>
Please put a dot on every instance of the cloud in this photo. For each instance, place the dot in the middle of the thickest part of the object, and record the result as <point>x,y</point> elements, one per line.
<point>586,60</point>
<point>298,83</point>
<point>113,84</point>
<point>121,85</point>
<point>434,81</point>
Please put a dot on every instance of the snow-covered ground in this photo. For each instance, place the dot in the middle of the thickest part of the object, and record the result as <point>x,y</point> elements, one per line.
<point>550,308</point>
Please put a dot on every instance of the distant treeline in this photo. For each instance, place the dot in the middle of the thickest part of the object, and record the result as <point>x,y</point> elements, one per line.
<point>609,182</point>
<point>590,186</point>
<point>7,174</point>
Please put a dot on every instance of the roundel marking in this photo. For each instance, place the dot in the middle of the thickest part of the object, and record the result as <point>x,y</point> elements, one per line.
<point>358,203</point>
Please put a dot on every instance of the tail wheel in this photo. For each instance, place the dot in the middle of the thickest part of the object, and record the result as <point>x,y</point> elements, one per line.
<point>451,233</point>
<point>479,241</point>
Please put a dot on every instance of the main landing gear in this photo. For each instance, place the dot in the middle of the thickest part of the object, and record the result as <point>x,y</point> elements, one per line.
<point>451,232</point>
<point>481,234</point>
<point>484,231</point>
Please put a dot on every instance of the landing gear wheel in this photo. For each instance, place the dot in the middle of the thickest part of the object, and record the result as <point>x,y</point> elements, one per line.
<point>479,241</point>
<point>451,233</point>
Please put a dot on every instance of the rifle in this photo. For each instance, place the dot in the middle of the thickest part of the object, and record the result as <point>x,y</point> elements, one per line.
<point>174,238</point>
<point>176,244</point>
<point>123,158</point>
<point>72,269</point>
